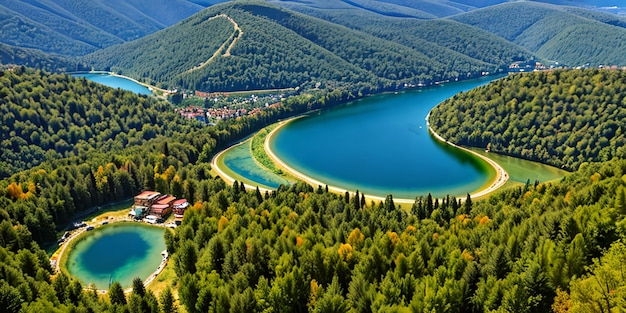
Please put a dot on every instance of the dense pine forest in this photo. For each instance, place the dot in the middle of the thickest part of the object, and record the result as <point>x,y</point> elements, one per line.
<point>563,118</point>
<point>541,247</point>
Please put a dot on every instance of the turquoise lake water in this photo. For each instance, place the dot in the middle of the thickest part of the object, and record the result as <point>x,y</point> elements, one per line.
<point>381,145</point>
<point>117,252</point>
<point>116,82</point>
<point>240,161</point>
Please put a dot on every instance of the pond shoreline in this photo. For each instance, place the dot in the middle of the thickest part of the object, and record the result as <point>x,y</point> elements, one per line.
<point>58,257</point>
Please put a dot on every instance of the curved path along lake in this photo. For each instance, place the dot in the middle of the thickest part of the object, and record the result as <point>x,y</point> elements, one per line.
<point>381,145</point>
<point>117,252</point>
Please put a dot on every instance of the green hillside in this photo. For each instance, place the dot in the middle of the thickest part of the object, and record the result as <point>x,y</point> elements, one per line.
<point>439,39</point>
<point>65,28</point>
<point>50,117</point>
<point>566,35</point>
<point>277,48</point>
<point>37,59</point>
<point>564,118</point>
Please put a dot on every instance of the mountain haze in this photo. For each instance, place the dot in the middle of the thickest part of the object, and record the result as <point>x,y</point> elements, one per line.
<point>563,34</point>
<point>63,27</point>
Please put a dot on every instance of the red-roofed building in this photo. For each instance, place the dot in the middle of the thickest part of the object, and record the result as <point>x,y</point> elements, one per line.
<point>166,199</point>
<point>160,210</point>
<point>180,206</point>
<point>146,198</point>
<point>163,206</point>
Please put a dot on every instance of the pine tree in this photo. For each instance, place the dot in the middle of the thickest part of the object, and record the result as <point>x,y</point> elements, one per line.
<point>138,287</point>
<point>116,293</point>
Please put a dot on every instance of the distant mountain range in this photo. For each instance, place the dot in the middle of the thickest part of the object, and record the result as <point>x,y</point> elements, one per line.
<point>234,45</point>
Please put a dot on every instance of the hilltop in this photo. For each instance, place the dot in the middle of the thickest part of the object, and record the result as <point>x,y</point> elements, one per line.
<point>62,27</point>
<point>566,35</point>
<point>271,47</point>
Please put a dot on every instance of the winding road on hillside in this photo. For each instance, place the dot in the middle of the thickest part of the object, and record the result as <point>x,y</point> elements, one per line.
<point>234,37</point>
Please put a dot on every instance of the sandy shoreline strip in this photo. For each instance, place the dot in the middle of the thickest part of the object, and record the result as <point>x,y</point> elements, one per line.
<point>229,180</point>
<point>501,175</point>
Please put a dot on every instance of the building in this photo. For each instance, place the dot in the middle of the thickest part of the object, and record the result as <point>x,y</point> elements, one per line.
<point>163,206</point>
<point>179,207</point>
<point>158,205</point>
<point>146,198</point>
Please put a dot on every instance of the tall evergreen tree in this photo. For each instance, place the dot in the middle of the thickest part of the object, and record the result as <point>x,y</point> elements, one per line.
<point>116,293</point>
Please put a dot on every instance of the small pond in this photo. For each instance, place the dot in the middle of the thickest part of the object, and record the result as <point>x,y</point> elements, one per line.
<point>117,252</point>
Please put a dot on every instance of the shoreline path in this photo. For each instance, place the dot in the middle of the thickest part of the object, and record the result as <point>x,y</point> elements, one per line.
<point>500,179</point>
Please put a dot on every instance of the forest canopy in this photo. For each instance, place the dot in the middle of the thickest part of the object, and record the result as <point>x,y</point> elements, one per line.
<point>532,248</point>
<point>562,117</point>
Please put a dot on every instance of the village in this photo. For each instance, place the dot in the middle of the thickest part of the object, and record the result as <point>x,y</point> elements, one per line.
<point>210,108</point>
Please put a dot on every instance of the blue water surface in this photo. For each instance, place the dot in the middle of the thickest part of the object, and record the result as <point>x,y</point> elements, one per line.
<point>116,82</point>
<point>117,252</point>
<point>381,145</point>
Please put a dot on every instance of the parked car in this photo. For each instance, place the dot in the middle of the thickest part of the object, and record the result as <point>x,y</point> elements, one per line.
<point>150,219</point>
<point>89,228</point>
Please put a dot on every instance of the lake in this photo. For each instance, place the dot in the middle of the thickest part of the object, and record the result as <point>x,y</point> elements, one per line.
<point>117,252</point>
<point>116,82</point>
<point>243,168</point>
<point>381,145</point>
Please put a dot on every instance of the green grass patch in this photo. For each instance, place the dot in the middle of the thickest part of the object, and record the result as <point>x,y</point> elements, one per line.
<point>257,146</point>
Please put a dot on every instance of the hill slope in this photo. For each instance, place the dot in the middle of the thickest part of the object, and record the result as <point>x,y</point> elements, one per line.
<point>49,117</point>
<point>37,59</point>
<point>563,118</point>
<point>278,48</point>
<point>566,35</point>
<point>63,27</point>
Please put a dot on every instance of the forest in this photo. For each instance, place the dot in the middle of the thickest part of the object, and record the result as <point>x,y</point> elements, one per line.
<point>65,28</point>
<point>280,48</point>
<point>564,117</point>
<point>563,34</point>
<point>541,247</point>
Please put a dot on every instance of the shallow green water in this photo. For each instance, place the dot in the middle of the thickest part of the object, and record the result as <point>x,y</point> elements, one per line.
<point>117,252</point>
<point>239,160</point>
<point>521,171</point>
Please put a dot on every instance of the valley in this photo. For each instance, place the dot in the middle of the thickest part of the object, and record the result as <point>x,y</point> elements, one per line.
<point>430,169</point>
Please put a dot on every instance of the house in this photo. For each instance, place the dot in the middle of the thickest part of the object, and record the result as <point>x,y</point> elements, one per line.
<point>163,206</point>
<point>146,198</point>
<point>160,210</point>
<point>179,207</point>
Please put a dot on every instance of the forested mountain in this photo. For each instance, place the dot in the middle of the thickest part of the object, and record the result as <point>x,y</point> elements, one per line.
<point>36,59</point>
<point>435,38</point>
<point>252,45</point>
<point>67,28</point>
<point>563,118</point>
<point>569,36</point>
